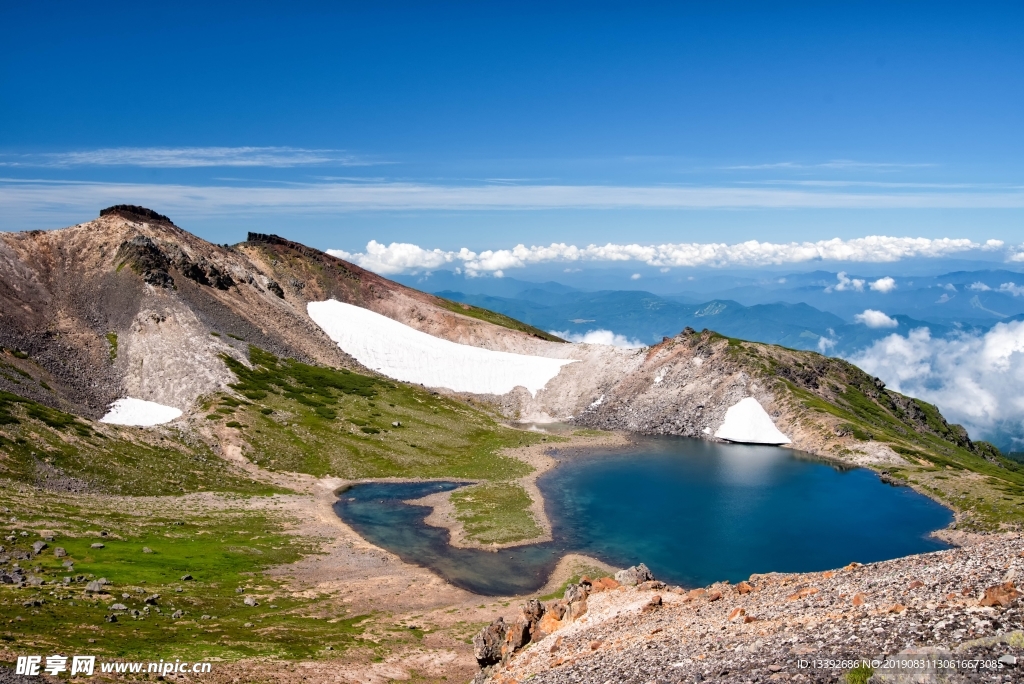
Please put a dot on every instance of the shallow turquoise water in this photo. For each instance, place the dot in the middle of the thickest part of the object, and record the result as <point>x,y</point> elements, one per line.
<point>695,512</point>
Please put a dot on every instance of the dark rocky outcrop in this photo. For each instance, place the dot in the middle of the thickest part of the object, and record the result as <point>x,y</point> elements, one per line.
<point>133,212</point>
<point>143,256</point>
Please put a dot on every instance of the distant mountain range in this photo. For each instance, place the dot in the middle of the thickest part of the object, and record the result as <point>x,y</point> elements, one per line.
<point>811,311</point>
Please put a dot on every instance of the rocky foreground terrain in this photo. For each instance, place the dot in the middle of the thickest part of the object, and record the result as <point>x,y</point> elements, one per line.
<point>961,605</point>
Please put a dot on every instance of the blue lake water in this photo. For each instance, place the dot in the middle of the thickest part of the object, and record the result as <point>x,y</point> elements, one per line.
<point>695,512</point>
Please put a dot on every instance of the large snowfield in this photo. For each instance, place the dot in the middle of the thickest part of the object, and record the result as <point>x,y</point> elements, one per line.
<point>139,413</point>
<point>406,354</point>
<point>749,423</point>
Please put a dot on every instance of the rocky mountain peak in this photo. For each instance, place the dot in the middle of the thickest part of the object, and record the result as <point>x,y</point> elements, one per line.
<point>134,212</point>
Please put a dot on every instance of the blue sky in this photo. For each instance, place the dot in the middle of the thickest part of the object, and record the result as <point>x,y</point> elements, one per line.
<point>487,125</point>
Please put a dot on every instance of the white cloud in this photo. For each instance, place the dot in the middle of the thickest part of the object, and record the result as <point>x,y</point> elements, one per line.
<point>825,344</point>
<point>846,283</point>
<point>842,164</point>
<point>1012,288</point>
<point>875,319</point>
<point>186,157</point>
<point>979,287</point>
<point>635,276</point>
<point>884,285</point>
<point>973,379</point>
<point>600,337</point>
<point>402,257</point>
<point>18,195</point>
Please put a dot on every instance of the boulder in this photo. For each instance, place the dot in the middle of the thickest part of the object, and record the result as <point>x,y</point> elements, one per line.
<point>94,587</point>
<point>97,545</point>
<point>1000,595</point>
<point>487,644</point>
<point>38,547</point>
<point>250,601</point>
<point>59,552</point>
<point>516,636</point>
<point>548,624</point>
<point>577,592</point>
<point>633,576</point>
<point>176,614</point>
<point>118,606</point>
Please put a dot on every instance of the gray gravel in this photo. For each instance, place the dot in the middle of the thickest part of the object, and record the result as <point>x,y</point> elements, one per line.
<point>932,601</point>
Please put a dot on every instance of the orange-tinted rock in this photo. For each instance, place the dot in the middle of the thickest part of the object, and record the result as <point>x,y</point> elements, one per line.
<point>736,614</point>
<point>577,610</point>
<point>604,584</point>
<point>1000,595</point>
<point>594,645</point>
<point>802,593</point>
<point>828,574</point>
<point>744,588</point>
<point>747,619</point>
<point>653,604</point>
<point>695,593</point>
<point>859,599</point>
<point>916,584</point>
<point>896,608</point>
<point>714,596</point>
<point>549,624</point>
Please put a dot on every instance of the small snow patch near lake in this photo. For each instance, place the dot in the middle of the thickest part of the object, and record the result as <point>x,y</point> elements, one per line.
<point>406,354</point>
<point>749,423</point>
<point>139,413</point>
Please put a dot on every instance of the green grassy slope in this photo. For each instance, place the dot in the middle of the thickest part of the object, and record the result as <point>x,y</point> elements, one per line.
<point>323,421</point>
<point>223,547</point>
<point>43,446</point>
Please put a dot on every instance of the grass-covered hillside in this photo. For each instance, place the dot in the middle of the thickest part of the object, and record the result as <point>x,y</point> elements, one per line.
<point>323,421</point>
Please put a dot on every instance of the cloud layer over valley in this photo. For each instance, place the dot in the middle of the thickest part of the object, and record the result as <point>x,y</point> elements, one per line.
<point>398,257</point>
<point>975,380</point>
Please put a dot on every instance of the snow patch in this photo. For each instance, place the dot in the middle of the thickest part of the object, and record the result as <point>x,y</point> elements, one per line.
<point>139,413</point>
<point>406,354</point>
<point>749,423</point>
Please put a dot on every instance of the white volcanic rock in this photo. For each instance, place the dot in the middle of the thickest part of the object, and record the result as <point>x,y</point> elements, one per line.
<point>748,422</point>
<point>406,354</point>
<point>139,413</point>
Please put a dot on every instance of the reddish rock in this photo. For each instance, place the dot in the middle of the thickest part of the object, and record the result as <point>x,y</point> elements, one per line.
<point>802,593</point>
<point>896,608</point>
<point>916,584</point>
<point>744,587</point>
<point>604,584</point>
<point>714,596</point>
<point>695,594</point>
<point>653,604</point>
<point>736,614</point>
<point>596,644</point>
<point>828,574</point>
<point>1000,595</point>
<point>549,624</point>
<point>747,619</point>
<point>859,599</point>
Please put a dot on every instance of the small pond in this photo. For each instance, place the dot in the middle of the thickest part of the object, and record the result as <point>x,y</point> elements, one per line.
<point>694,511</point>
